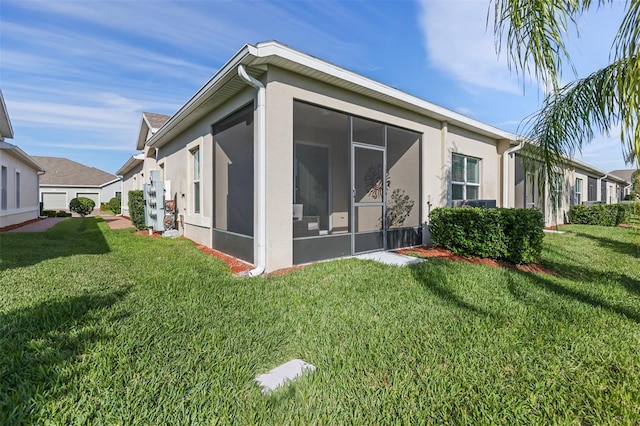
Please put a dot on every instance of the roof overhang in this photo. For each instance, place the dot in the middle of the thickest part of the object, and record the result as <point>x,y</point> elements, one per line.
<point>6,130</point>
<point>130,164</point>
<point>225,83</point>
<point>23,156</point>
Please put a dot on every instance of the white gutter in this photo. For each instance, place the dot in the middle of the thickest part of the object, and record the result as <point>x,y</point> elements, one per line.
<point>261,173</point>
<point>505,173</point>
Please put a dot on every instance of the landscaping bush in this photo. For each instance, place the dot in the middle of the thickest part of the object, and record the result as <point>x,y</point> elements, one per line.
<point>600,214</point>
<point>136,209</point>
<point>523,233</point>
<point>115,205</point>
<point>82,205</point>
<point>512,234</point>
<point>62,213</point>
<point>48,213</point>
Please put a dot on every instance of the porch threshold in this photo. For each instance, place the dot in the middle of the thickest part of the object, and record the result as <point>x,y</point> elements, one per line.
<point>390,258</point>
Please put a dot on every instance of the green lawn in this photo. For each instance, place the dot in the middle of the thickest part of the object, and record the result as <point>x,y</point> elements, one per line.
<point>105,327</point>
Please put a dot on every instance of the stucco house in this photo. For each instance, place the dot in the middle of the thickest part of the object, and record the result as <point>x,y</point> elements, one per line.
<point>582,183</point>
<point>66,179</point>
<point>19,177</point>
<point>282,159</point>
<point>137,167</point>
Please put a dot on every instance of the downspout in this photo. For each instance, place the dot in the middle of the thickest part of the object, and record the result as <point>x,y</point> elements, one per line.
<point>505,173</point>
<point>261,173</point>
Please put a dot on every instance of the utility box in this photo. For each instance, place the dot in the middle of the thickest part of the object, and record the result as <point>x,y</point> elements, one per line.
<point>154,202</point>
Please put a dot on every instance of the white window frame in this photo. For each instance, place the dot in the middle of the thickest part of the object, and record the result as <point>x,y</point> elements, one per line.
<point>578,191</point>
<point>191,149</point>
<point>4,187</point>
<point>18,178</point>
<point>464,183</point>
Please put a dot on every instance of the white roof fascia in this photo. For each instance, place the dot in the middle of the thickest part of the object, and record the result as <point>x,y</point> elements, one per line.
<point>200,96</point>
<point>110,182</point>
<point>130,163</point>
<point>264,50</point>
<point>5,119</point>
<point>20,154</point>
<point>272,48</point>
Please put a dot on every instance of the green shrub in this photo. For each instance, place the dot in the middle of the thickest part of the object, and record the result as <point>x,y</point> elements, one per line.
<point>600,214</point>
<point>136,209</point>
<point>512,234</point>
<point>48,213</point>
<point>82,205</point>
<point>523,229</point>
<point>62,213</point>
<point>115,205</point>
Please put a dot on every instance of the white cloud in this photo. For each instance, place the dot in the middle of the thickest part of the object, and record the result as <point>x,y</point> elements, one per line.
<point>459,43</point>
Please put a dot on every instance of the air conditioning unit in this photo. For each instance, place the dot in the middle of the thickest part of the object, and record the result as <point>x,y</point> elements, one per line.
<point>485,204</point>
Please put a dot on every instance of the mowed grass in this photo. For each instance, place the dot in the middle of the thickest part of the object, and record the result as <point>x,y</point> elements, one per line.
<point>106,327</point>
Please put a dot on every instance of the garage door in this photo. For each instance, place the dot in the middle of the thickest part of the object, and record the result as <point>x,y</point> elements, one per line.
<point>93,195</point>
<point>54,201</point>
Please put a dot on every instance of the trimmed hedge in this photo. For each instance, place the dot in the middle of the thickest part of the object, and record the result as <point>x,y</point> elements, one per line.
<point>600,214</point>
<point>136,209</point>
<point>82,205</point>
<point>512,234</point>
<point>115,205</point>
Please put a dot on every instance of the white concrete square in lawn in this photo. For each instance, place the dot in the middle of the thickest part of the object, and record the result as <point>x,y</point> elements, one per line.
<point>290,370</point>
<point>390,258</point>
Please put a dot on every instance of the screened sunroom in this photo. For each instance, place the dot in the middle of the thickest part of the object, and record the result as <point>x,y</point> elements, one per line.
<point>356,185</point>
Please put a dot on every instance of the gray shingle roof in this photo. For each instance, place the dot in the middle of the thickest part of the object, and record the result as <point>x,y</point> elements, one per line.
<point>156,120</point>
<point>625,174</point>
<point>62,171</point>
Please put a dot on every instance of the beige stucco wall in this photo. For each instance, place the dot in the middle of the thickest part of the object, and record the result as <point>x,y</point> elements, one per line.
<point>175,155</point>
<point>29,203</point>
<point>438,142</point>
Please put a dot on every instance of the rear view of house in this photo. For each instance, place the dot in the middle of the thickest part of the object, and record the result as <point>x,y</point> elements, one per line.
<point>282,159</point>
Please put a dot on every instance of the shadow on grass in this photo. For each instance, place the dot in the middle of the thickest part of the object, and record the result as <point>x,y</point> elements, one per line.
<point>557,289</point>
<point>41,346</point>
<point>74,236</point>
<point>583,274</point>
<point>433,273</point>
<point>620,247</point>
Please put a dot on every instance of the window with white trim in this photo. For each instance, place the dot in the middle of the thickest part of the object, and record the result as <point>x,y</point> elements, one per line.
<point>17,190</point>
<point>465,177</point>
<point>578,191</point>
<point>195,165</point>
<point>4,184</point>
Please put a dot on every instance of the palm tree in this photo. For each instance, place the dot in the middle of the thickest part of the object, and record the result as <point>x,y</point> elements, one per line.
<point>534,33</point>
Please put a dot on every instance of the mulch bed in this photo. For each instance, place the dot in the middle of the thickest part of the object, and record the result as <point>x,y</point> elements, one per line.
<point>236,265</point>
<point>449,255</point>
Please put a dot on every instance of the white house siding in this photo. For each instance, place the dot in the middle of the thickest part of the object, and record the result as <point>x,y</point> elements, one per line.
<point>29,205</point>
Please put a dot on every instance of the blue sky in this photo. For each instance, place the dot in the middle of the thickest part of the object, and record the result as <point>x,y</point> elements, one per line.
<point>77,75</point>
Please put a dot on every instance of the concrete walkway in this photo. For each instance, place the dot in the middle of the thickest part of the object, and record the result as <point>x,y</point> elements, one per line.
<point>114,222</point>
<point>117,222</point>
<point>39,225</point>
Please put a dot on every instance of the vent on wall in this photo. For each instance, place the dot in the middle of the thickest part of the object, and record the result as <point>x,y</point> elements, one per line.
<point>485,204</point>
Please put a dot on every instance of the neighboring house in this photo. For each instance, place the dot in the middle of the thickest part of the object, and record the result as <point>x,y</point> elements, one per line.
<point>626,174</point>
<point>66,179</point>
<point>283,159</point>
<point>19,176</point>
<point>581,184</point>
<point>133,172</point>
